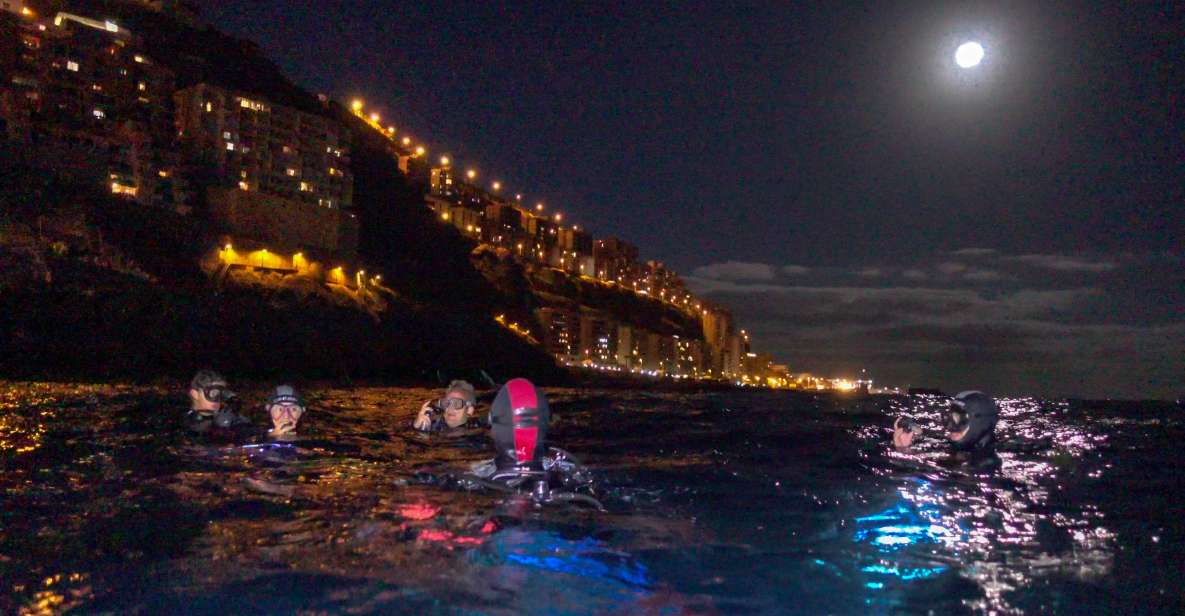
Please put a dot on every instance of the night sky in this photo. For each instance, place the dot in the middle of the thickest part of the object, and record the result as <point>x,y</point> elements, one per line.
<point>828,171</point>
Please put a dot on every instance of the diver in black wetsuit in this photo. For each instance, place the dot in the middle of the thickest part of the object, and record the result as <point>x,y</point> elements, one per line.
<point>451,414</point>
<point>523,462</point>
<point>969,423</point>
<point>211,406</point>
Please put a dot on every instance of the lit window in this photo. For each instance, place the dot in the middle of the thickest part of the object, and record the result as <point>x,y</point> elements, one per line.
<point>230,146</point>
<point>111,27</point>
<point>99,113</point>
<point>143,86</point>
<point>209,107</point>
<point>120,189</point>
<point>305,187</point>
<point>291,172</point>
<point>287,150</point>
<point>139,58</point>
<point>226,135</point>
<point>244,186</point>
<point>71,65</point>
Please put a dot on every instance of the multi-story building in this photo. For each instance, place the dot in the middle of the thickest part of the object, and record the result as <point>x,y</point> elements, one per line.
<point>615,260</point>
<point>598,339</point>
<point>88,84</point>
<point>283,174</point>
<point>271,149</point>
<point>561,332</point>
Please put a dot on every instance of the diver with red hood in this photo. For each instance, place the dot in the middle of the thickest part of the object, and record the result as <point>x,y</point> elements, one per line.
<point>523,461</point>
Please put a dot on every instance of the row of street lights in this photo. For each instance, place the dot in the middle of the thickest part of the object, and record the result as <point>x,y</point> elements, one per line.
<point>374,120</point>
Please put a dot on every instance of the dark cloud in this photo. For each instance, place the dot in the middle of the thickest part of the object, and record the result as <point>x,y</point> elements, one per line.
<point>795,270</point>
<point>974,252</point>
<point>955,325</point>
<point>1064,263</point>
<point>736,270</point>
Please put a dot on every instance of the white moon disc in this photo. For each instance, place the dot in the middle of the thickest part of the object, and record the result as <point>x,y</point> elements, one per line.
<point>969,54</point>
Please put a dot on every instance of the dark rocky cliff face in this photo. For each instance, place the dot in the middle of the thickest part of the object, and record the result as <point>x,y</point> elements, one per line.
<point>100,287</point>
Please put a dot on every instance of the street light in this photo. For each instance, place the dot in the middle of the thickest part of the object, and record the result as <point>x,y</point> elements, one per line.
<point>420,151</point>
<point>497,185</point>
<point>407,141</point>
<point>356,105</point>
<point>471,174</point>
<point>444,161</point>
<point>374,117</point>
<point>539,207</point>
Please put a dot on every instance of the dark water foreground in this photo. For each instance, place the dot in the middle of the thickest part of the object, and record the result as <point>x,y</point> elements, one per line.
<point>718,503</point>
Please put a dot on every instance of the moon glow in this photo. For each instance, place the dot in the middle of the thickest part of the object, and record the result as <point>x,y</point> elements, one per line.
<point>969,54</point>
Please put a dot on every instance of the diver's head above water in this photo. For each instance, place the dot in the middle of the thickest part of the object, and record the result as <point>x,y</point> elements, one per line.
<point>285,408</point>
<point>970,420</point>
<point>208,391</point>
<point>518,422</point>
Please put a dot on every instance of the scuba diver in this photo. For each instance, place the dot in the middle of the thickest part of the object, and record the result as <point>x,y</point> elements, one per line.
<point>285,407</point>
<point>523,462</point>
<point>969,423</point>
<point>211,405</point>
<point>451,413</point>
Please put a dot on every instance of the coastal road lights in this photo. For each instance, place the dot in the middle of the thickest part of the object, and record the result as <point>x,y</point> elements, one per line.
<point>356,105</point>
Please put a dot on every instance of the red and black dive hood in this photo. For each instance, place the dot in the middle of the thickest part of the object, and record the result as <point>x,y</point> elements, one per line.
<point>518,420</point>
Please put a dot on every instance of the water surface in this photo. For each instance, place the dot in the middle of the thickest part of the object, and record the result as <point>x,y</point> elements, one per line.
<point>740,502</point>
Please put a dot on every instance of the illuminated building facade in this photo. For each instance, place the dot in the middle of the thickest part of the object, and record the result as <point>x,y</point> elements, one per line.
<point>266,148</point>
<point>87,84</point>
<point>561,332</point>
<point>615,260</point>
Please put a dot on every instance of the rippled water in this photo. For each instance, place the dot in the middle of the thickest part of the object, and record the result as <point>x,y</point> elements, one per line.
<point>745,502</point>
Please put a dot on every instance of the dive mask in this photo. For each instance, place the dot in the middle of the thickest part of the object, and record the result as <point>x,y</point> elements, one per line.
<point>955,418</point>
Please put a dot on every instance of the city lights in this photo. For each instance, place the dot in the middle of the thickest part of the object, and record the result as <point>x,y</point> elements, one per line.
<point>471,174</point>
<point>356,105</point>
<point>444,161</point>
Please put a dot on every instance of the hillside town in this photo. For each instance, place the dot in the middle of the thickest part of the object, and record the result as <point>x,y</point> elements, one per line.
<point>278,179</point>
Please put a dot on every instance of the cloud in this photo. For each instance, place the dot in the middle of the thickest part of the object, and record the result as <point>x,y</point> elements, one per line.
<point>795,270</point>
<point>1063,263</point>
<point>983,275</point>
<point>974,252</point>
<point>952,267</point>
<point>735,270</point>
<point>1012,324</point>
<point>870,272</point>
<point>915,274</point>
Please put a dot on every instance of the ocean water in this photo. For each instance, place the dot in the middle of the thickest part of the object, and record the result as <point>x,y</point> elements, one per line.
<point>746,502</point>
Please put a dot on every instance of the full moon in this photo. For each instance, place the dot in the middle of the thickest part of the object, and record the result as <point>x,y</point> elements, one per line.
<point>969,54</point>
